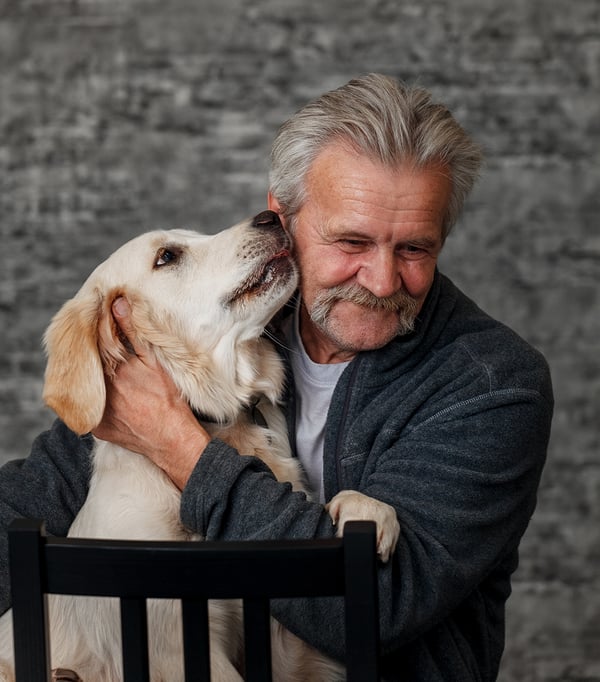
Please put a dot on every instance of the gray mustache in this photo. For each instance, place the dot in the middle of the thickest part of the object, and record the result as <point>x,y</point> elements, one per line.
<point>400,301</point>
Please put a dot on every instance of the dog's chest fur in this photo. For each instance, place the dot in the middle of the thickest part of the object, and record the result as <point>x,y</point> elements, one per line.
<point>131,498</point>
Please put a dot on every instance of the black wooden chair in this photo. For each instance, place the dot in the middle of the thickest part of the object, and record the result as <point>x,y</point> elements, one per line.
<point>254,571</point>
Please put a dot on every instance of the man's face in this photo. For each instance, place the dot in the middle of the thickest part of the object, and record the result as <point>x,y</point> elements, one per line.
<point>367,241</point>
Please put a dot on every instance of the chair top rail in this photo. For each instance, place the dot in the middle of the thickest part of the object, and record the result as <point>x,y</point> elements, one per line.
<point>230,568</point>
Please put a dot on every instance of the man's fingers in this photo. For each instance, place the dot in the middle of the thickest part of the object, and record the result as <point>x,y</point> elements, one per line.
<point>122,313</point>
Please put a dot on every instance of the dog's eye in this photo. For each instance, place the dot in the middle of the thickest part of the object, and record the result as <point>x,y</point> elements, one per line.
<point>166,256</point>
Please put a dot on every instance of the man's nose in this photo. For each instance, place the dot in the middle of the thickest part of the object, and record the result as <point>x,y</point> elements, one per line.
<point>381,274</point>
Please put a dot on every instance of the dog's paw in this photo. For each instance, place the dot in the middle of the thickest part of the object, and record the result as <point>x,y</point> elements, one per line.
<point>350,505</point>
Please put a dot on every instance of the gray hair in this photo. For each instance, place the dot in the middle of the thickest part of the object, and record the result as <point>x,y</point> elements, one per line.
<point>386,120</point>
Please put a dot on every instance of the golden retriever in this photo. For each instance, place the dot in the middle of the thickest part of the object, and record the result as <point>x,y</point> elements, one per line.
<point>200,303</point>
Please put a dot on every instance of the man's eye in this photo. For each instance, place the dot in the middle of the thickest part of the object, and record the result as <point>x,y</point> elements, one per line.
<point>166,256</point>
<point>413,251</point>
<point>351,244</point>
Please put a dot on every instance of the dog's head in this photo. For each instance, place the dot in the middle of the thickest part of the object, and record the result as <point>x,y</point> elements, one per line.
<point>199,303</point>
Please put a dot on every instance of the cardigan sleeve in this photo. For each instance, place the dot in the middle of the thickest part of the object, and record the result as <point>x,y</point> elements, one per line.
<point>236,497</point>
<point>463,483</point>
<point>51,485</point>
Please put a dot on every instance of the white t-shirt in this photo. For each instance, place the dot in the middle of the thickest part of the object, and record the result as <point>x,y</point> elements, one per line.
<point>314,387</point>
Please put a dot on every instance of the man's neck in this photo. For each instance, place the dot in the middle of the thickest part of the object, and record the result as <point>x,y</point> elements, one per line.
<point>320,348</point>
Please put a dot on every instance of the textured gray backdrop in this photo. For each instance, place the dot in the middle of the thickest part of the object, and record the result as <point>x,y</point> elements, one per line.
<point>117,117</point>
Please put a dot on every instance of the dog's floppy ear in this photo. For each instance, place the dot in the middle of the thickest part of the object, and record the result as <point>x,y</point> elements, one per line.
<point>82,345</point>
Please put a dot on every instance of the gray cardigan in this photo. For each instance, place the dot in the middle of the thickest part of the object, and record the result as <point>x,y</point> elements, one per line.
<point>449,425</point>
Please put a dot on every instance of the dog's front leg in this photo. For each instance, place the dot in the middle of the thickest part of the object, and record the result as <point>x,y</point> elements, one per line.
<point>6,648</point>
<point>6,673</point>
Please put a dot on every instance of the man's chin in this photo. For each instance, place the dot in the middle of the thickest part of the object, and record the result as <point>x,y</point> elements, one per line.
<point>358,329</point>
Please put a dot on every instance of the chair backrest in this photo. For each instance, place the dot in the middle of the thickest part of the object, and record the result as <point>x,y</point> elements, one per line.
<point>254,571</point>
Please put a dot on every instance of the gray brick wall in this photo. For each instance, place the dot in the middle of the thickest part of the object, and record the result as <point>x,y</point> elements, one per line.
<point>117,117</point>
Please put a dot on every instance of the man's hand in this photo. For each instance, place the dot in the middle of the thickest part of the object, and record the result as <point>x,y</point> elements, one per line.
<point>145,413</point>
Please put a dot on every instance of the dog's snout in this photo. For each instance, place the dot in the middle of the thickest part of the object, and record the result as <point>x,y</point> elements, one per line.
<point>267,219</point>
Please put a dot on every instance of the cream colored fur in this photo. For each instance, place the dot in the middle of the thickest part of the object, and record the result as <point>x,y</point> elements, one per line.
<point>190,309</point>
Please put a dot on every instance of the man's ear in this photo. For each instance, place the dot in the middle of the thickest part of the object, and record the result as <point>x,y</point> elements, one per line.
<point>82,343</point>
<point>273,204</point>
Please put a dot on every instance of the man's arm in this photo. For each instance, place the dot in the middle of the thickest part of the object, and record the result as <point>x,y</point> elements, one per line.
<point>51,484</point>
<point>463,503</point>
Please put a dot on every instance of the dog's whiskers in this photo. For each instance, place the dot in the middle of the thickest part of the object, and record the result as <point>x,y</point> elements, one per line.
<point>278,342</point>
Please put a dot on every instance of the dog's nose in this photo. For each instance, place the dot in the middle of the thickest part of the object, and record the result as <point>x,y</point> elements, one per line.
<point>267,219</point>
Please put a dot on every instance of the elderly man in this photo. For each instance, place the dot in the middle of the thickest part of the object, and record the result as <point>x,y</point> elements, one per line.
<point>400,387</point>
